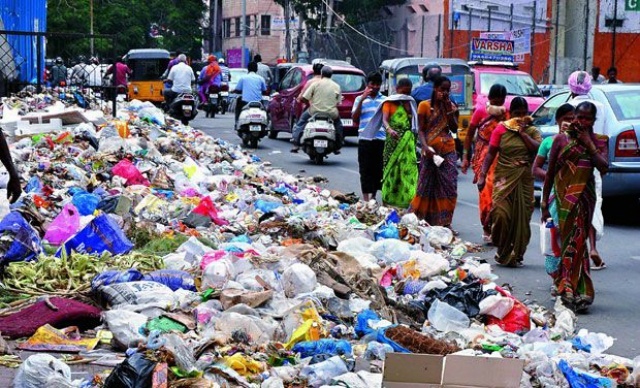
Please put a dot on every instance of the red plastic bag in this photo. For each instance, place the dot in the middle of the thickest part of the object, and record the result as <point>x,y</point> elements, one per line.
<point>207,208</point>
<point>517,321</point>
<point>127,170</point>
<point>65,225</point>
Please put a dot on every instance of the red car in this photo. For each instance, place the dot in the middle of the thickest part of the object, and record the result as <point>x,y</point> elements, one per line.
<point>284,110</point>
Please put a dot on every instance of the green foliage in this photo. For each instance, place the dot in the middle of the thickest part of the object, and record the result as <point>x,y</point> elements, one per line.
<point>130,21</point>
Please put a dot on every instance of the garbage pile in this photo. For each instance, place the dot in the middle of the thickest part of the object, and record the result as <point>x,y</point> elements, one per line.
<point>179,260</point>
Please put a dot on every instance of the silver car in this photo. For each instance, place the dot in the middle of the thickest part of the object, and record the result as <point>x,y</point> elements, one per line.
<point>622,110</point>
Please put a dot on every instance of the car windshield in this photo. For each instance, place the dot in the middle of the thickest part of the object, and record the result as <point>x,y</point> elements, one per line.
<point>349,82</point>
<point>516,84</point>
<point>625,104</point>
<point>236,74</point>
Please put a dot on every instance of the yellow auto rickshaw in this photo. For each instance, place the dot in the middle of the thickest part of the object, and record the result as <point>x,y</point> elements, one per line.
<point>147,66</point>
<point>457,70</point>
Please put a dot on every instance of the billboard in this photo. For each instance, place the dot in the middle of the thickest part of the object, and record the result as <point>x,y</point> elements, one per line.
<point>491,50</point>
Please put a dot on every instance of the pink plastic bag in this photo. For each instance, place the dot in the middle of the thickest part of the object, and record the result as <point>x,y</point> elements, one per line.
<point>65,225</point>
<point>210,257</point>
<point>207,208</point>
<point>128,171</point>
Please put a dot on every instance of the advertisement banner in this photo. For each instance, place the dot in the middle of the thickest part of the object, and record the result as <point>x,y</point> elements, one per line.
<point>234,58</point>
<point>491,50</point>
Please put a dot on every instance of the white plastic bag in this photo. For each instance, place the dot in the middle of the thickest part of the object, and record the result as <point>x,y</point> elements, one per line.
<point>323,372</point>
<point>125,326</point>
<point>391,251</point>
<point>429,264</point>
<point>298,279</point>
<point>444,317</point>
<point>598,218</point>
<point>496,305</point>
<point>217,274</point>
<point>439,237</point>
<point>44,370</point>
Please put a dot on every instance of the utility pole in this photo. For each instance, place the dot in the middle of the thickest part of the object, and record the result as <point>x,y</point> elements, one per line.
<point>211,28</point>
<point>91,27</point>
<point>615,26</point>
<point>244,30</point>
<point>287,30</point>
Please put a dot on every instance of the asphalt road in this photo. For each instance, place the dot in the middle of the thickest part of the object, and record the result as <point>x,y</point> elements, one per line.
<point>615,310</point>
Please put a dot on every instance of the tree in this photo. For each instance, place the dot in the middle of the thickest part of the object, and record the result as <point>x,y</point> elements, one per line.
<point>130,21</point>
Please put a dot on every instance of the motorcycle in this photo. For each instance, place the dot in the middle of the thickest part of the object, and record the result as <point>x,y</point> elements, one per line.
<point>224,98</point>
<point>183,108</point>
<point>213,104</point>
<point>252,124</point>
<point>319,138</point>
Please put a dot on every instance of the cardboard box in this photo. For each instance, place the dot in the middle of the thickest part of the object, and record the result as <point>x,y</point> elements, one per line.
<point>403,370</point>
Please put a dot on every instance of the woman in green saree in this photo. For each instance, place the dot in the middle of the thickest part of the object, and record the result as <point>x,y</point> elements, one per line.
<point>400,169</point>
<point>517,142</point>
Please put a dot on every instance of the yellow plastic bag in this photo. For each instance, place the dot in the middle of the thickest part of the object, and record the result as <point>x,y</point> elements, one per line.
<point>49,339</point>
<point>244,365</point>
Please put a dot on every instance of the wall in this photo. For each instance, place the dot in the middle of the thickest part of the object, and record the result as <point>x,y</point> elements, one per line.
<point>627,40</point>
<point>415,26</point>
<point>458,32</point>
<point>271,47</point>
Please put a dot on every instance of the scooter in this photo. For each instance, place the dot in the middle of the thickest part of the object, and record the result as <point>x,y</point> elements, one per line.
<point>319,138</point>
<point>252,124</point>
<point>213,104</point>
<point>224,98</point>
<point>183,108</point>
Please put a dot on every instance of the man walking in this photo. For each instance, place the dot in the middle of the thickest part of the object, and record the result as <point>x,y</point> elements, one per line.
<point>423,92</point>
<point>370,151</point>
<point>263,70</point>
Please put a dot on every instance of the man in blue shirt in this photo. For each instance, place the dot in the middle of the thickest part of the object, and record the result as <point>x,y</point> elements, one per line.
<point>370,151</point>
<point>424,91</point>
<point>251,86</point>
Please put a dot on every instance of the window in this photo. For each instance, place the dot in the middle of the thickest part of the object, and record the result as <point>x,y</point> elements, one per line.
<point>265,25</point>
<point>546,114</point>
<point>625,104</point>
<point>226,28</point>
<point>516,84</point>
<point>286,81</point>
<point>297,78</point>
<point>237,20</point>
<point>349,82</point>
<point>247,25</point>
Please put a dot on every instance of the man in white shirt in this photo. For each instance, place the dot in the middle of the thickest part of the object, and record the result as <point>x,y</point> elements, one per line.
<point>181,77</point>
<point>95,73</point>
<point>263,70</point>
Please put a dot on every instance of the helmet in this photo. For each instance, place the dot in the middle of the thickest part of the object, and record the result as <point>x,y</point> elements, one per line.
<point>59,61</point>
<point>317,67</point>
<point>327,71</point>
<point>430,69</point>
<point>94,61</point>
<point>221,60</point>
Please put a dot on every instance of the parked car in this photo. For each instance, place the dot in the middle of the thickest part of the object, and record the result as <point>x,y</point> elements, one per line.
<point>518,83</point>
<point>284,110</point>
<point>622,113</point>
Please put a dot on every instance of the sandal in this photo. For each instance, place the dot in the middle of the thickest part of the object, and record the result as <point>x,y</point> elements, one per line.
<point>598,263</point>
<point>486,238</point>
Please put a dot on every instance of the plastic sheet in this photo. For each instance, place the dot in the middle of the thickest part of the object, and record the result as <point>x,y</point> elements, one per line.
<point>18,239</point>
<point>44,370</point>
<point>102,234</point>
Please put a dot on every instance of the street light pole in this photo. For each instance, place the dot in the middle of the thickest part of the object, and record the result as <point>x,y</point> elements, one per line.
<point>91,27</point>
<point>244,29</point>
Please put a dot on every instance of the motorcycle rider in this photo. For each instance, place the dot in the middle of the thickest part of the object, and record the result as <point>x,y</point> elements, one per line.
<point>251,86</point>
<point>226,74</point>
<point>181,77</point>
<point>323,96</point>
<point>263,70</point>
<point>80,72</point>
<point>210,75</point>
<point>423,92</point>
<point>58,73</point>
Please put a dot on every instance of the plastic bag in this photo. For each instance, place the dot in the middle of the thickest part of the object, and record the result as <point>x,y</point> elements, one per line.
<point>323,372</point>
<point>49,339</point>
<point>549,239</point>
<point>152,115</point>
<point>377,351</point>
<point>389,230</point>
<point>128,171</point>
<point>125,326</point>
<point>207,208</point>
<point>217,274</point>
<point>44,370</point>
<point>462,296</point>
<point>391,251</point>
<point>439,237</point>
<point>145,294</point>
<point>324,346</point>
<point>85,203</point>
<point>134,372</point>
<point>173,279</point>
<point>582,380</point>
<point>100,235</point>
<point>496,305</point>
<point>445,318</point>
<point>19,241</point>
<point>113,276</point>
<point>298,279</point>
<point>518,320</point>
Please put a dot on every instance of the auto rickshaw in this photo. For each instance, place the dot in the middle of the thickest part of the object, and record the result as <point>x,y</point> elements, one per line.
<point>457,70</point>
<point>147,66</point>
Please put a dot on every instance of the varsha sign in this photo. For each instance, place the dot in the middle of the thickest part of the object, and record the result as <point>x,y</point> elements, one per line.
<point>493,45</point>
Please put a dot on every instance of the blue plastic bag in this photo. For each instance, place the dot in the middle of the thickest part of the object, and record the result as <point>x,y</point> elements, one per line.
<point>362,322</point>
<point>174,279</point>
<point>114,276</point>
<point>393,217</point>
<point>582,380</point>
<point>33,186</point>
<point>324,346</point>
<point>101,235</point>
<point>19,240</point>
<point>266,206</point>
<point>85,203</point>
<point>387,231</point>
